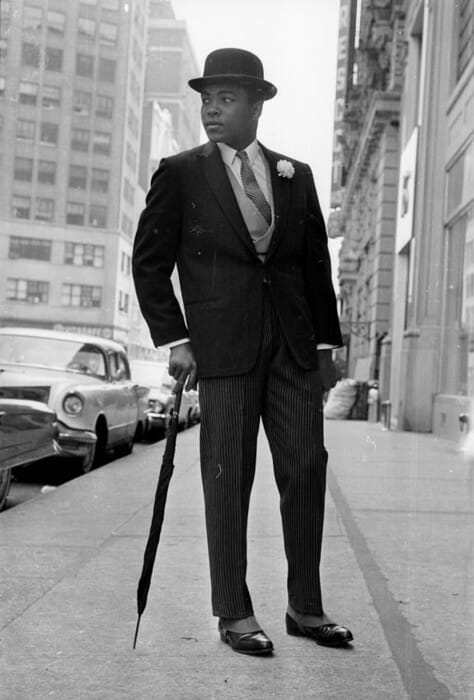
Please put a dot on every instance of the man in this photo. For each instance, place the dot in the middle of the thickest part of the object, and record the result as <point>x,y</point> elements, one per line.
<point>244,227</point>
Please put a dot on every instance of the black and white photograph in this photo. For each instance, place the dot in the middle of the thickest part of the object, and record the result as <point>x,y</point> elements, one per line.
<point>237,349</point>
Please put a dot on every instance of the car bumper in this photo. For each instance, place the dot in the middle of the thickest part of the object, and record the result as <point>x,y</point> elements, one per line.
<point>157,420</point>
<point>73,442</point>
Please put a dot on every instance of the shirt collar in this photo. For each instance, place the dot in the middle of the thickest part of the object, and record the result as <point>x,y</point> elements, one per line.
<point>228,153</point>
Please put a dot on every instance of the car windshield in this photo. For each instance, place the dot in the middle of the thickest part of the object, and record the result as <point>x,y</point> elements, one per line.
<point>54,353</point>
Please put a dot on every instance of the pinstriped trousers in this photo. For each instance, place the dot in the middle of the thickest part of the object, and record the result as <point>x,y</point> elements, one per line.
<point>288,399</point>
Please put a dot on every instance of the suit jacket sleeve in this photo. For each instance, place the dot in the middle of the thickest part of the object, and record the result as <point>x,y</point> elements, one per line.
<point>154,256</point>
<point>317,272</point>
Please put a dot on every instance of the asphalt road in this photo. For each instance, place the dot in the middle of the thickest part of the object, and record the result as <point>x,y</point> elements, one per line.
<point>41,477</point>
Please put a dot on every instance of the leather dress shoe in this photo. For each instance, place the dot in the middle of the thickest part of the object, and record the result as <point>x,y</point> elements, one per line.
<point>253,643</point>
<point>329,635</point>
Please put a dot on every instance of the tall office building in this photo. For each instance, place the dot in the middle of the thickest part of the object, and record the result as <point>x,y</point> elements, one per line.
<point>170,64</point>
<point>71,92</point>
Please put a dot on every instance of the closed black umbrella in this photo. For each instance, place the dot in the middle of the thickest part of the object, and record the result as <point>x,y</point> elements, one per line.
<point>166,472</point>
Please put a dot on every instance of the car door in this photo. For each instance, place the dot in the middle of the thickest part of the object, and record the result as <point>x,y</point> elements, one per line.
<point>125,406</point>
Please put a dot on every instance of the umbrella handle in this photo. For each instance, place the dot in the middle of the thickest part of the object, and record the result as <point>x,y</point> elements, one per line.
<point>177,401</point>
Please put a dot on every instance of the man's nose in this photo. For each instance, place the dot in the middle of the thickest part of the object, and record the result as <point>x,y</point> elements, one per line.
<point>212,109</point>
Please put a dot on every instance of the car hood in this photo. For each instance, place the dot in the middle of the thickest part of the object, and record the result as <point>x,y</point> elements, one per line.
<point>38,383</point>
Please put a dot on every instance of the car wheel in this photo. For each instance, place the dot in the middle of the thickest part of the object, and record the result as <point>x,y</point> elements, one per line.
<point>5,481</point>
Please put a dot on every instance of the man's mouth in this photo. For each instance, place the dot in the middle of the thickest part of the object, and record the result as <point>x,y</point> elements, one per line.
<point>211,124</point>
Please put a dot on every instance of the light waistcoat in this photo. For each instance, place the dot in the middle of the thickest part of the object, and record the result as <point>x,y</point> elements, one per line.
<point>260,232</point>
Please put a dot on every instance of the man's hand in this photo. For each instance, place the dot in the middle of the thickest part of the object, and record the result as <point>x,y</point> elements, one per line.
<point>183,365</point>
<point>327,369</point>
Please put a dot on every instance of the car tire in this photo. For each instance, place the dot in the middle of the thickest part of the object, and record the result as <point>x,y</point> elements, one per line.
<point>5,482</point>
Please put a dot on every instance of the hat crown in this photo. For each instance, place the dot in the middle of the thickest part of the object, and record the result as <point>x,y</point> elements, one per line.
<point>233,62</point>
<point>236,66</point>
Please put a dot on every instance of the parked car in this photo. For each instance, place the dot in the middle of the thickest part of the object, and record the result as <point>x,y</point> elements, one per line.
<point>161,398</point>
<point>84,379</point>
<point>28,432</point>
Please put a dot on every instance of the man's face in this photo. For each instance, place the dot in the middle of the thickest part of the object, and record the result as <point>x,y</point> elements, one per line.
<point>229,116</point>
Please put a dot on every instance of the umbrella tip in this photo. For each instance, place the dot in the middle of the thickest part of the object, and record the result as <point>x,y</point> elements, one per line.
<point>136,632</point>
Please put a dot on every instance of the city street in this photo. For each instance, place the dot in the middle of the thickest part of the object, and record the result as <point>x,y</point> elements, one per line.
<point>397,569</point>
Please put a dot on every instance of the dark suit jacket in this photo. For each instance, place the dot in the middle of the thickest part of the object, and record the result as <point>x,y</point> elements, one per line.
<point>192,218</point>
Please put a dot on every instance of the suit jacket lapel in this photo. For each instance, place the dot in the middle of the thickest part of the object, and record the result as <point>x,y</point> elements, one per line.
<point>216,175</point>
<point>281,199</point>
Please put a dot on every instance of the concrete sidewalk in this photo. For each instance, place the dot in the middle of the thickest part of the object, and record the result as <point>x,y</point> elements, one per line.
<point>70,562</point>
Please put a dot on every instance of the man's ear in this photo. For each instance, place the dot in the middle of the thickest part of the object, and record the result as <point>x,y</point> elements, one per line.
<point>257,109</point>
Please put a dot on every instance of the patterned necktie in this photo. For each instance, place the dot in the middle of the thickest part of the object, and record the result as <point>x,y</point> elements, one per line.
<point>252,188</point>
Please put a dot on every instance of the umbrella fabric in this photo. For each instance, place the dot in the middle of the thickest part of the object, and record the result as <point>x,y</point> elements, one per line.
<point>166,472</point>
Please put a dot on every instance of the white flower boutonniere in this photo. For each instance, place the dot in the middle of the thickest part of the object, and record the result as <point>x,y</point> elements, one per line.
<point>285,169</point>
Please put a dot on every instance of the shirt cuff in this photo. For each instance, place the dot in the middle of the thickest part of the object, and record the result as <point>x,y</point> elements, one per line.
<point>173,343</point>
<point>325,346</point>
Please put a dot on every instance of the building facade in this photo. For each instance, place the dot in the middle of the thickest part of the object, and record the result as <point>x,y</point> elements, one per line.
<point>170,64</point>
<point>429,353</point>
<point>365,174</point>
<point>70,137</point>
<point>405,209</point>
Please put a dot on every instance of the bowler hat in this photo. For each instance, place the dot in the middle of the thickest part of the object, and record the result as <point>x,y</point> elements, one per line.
<point>234,65</point>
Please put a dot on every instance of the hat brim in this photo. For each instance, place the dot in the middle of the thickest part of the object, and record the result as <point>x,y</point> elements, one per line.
<point>267,90</point>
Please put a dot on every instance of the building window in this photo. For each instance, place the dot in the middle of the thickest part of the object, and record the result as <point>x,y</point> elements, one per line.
<point>54,59</point>
<point>21,207</point>
<point>107,70</point>
<point>2,86</point>
<point>84,65</point>
<point>86,28</point>
<point>32,18</point>
<point>30,55</point>
<point>27,93</point>
<point>75,213</point>
<point>44,210</point>
<point>100,180</point>
<point>110,4</point>
<point>466,34</point>
<point>49,133</point>
<point>128,191</point>
<point>104,106</point>
<point>88,2</point>
<point>102,142</point>
<point>84,255</point>
<point>3,49</point>
<point>97,216</point>
<point>126,225</point>
<point>25,130</point>
<point>23,169</point>
<point>108,33</point>
<point>137,53</point>
<point>47,172</point>
<point>30,248</point>
<point>78,177</point>
<point>51,96</point>
<point>82,102</point>
<point>30,291</point>
<point>56,22</point>
<point>133,122</point>
<point>131,157</point>
<point>126,264</point>
<point>134,87</point>
<point>80,140</point>
<point>83,295</point>
<point>123,302</point>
